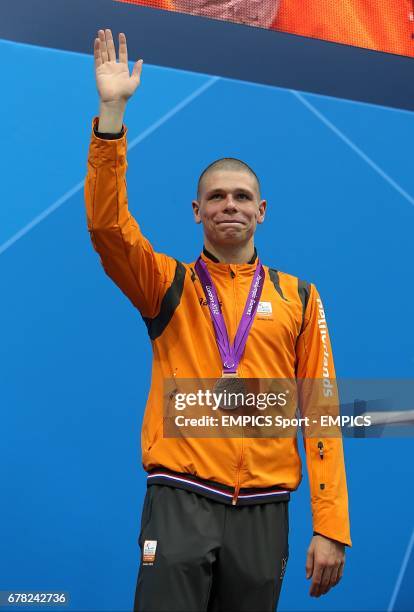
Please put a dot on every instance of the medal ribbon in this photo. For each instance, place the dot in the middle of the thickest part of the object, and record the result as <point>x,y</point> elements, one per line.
<point>231,355</point>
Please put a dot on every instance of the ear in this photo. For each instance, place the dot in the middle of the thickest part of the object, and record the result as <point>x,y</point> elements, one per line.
<point>262,211</point>
<point>196,210</point>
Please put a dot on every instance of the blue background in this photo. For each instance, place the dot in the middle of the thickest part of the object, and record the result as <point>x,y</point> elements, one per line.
<point>75,357</point>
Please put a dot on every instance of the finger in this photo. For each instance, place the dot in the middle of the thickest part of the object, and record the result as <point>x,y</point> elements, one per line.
<point>341,570</point>
<point>110,46</point>
<point>97,53</point>
<point>326,580</point>
<point>123,51</point>
<point>316,580</point>
<point>335,575</point>
<point>102,43</point>
<point>136,71</point>
<point>309,564</point>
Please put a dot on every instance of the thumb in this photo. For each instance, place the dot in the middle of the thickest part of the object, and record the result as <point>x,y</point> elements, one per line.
<point>309,564</point>
<point>136,71</point>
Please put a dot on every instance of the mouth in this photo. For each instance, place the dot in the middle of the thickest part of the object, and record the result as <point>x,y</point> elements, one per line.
<point>230,223</point>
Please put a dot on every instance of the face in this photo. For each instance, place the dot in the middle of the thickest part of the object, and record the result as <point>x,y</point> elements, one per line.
<point>229,207</point>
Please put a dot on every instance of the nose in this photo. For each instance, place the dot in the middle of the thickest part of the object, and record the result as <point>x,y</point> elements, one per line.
<point>230,202</point>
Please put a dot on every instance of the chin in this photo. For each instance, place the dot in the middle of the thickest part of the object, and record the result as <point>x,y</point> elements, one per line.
<point>231,233</point>
<point>231,238</point>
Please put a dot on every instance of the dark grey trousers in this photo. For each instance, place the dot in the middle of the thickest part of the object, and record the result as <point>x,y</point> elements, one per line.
<point>199,555</point>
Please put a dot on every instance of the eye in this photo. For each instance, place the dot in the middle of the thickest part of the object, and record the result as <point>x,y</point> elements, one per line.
<point>215,196</point>
<point>243,196</point>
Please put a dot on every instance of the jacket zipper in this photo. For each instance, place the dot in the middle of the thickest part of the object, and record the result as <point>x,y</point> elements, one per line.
<point>236,494</point>
<point>321,448</point>
<point>237,485</point>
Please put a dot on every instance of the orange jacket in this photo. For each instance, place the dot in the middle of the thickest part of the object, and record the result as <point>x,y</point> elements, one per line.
<point>383,25</point>
<point>291,341</point>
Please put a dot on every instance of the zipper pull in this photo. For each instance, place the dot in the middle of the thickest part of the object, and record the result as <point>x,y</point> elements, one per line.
<point>320,446</point>
<point>236,493</point>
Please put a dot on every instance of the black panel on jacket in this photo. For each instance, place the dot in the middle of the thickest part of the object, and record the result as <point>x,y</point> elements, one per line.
<point>169,304</point>
<point>303,290</point>
<point>274,277</point>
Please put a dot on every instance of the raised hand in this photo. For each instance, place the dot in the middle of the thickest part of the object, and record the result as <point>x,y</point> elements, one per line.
<point>113,81</point>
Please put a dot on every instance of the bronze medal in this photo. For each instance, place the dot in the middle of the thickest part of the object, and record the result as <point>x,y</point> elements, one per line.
<point>233,389</point>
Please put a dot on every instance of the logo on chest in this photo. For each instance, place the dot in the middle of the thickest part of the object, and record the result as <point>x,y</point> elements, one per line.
<point>264,311</point>
<point>264,308</point>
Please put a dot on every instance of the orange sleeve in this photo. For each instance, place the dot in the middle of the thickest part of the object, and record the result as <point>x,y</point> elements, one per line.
<point>324,454</point>
<point>126,255</point>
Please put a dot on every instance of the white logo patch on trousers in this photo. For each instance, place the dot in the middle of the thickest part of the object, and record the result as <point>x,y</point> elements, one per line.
<point>148,553</point>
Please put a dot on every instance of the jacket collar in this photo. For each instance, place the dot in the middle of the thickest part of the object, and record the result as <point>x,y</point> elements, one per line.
<point>214,258</point>
<point>215,266</point>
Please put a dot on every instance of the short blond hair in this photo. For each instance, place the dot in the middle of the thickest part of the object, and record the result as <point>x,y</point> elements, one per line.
<point>227,163</point>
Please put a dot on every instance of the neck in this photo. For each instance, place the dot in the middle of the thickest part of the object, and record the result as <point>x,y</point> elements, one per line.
<point>232,254</point>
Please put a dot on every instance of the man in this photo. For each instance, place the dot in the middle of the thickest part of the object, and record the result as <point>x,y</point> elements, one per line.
<point>215,519</point>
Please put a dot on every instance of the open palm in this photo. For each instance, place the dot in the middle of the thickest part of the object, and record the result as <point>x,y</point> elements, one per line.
<point>113,81</point>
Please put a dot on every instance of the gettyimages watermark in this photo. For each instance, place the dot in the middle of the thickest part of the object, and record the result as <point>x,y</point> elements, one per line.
<point>232,407</point>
